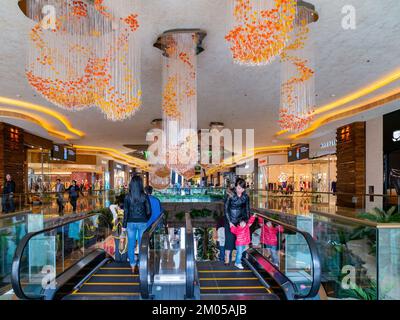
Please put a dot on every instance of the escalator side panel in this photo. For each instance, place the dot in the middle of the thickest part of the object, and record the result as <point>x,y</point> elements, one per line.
<point>280,284</point>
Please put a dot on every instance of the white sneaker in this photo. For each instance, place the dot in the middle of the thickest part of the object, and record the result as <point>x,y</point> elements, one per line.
<point>239,266</point>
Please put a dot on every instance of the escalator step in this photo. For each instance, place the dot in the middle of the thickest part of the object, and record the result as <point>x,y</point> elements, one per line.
<point>109,288</point>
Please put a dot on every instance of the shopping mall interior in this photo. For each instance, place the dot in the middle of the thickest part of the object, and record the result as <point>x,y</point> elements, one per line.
<point>200,150</point>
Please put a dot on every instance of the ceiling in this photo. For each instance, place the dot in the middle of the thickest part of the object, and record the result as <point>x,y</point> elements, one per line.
<point>240,97</point>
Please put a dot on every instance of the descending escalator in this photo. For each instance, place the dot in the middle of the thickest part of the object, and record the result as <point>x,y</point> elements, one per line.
<point>221,282</point>
<point>286,267</point>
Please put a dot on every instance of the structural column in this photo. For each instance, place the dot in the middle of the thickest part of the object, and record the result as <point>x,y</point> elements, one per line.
<point>351,165</point>
<point>12,156</point>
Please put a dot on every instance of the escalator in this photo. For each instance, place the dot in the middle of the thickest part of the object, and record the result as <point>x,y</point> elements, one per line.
<point>69,262</point>
<point>291,272</point>
<point>221,282</point>
<point>112,281</point>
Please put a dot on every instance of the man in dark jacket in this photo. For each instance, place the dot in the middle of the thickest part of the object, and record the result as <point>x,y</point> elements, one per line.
<point>8,195</point>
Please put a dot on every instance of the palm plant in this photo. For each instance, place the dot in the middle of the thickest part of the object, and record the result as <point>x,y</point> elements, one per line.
<point>380,216</point>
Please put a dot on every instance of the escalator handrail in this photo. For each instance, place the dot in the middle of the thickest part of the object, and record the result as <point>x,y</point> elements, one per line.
<point>190,263</point>
<point>316,263</point>
<point>144,256</point>
<point>16,264</point>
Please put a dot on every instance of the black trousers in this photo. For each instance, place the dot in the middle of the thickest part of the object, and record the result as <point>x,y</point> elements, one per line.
<point>230,238</point>
<point>73,201</point>
<point>60,204</point>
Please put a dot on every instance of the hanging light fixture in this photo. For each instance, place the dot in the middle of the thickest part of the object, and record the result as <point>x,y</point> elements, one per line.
<point>85,53</point>
<point>179,98</point>
<point>298,74</point>
<point>259,29</point>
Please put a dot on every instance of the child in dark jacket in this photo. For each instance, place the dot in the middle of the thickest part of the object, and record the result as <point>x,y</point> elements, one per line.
<point>243,238</point>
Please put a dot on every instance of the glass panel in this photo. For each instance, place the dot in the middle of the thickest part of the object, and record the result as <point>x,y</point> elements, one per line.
<point>389,264</point>
<point>49,254</point>
<point>288,251</point>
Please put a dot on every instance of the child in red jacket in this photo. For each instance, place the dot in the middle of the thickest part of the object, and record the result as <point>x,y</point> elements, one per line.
<point>243,239</point>
<point>269,238</point>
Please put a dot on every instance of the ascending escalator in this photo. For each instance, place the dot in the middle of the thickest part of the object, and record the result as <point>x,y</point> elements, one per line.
<point>69,262</point>
<point>112,281</point>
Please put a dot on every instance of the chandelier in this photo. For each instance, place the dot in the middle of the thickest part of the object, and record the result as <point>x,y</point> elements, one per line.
<point>298,74</point>
<point>179,98</point>
<point>160,177</point>
<point>259,29</point>
<point>85,53</point>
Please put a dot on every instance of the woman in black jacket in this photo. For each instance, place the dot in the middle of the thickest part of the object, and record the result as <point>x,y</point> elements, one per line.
<point>237,209</point>
<point>137,213</point>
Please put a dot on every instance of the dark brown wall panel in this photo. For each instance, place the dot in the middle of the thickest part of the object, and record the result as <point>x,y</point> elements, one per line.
<point>351,163</point>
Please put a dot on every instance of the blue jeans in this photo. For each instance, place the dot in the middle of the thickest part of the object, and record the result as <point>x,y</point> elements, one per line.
<point>239,254</point>
<point>8,203</point>
<point>135,232</point>
<point>274,253</point>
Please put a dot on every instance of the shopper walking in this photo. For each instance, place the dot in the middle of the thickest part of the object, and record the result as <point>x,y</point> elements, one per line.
<point>137,213</point>
<point>155,205</point>
<point>236,209</point>
<point>60,189</point>
<point>74,192</point>
<point>8,195</point>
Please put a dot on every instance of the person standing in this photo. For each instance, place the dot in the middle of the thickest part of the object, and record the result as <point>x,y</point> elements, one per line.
<point>155,205</point>
<point>74,192</point>
<point>137,213</point>
<point>8,195</point>
<point>60,189</point>
<point>236,209</point>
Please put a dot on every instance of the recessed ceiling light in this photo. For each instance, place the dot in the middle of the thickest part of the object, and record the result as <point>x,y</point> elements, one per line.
<point>18,96</point>
<point>333,95</point>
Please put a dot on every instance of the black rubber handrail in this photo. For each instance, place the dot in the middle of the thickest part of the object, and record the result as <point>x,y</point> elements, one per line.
<point>316,263</point>
<point>15,269</point>
<point>190,258</point>
<point>144,257</point>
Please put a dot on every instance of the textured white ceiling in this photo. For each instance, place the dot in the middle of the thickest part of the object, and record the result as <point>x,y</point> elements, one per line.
<point>238,96</point>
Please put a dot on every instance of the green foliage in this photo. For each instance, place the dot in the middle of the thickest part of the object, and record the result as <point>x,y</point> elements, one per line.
<point>380,216</point>
<point>198,213</point>
<point>105,218</point>
<point>206,249</point>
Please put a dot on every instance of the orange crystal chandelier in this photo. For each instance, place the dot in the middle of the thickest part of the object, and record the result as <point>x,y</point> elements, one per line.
<point>85,53</point>
<point>298,75</point>
<point>179,98</point>
<point>260,29</point>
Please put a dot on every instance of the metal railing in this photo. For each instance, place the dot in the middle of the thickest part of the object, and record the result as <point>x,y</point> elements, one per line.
<point>314,255</point>
<point>190,260</point>
<point>145,274</point>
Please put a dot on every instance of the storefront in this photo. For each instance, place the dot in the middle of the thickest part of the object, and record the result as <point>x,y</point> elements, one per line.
<point>391,150</point>
<point>121,176</point>
<point>46,166</point>
<point>306,168</point>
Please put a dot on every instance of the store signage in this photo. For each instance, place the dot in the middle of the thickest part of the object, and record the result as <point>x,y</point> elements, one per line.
<point>298,152</point>
<point>391,132</point>
<point>57,152</point>
<point>119,166</point>
<point>396,136</point>
<point>70,154</point>
<point>328,144</point>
